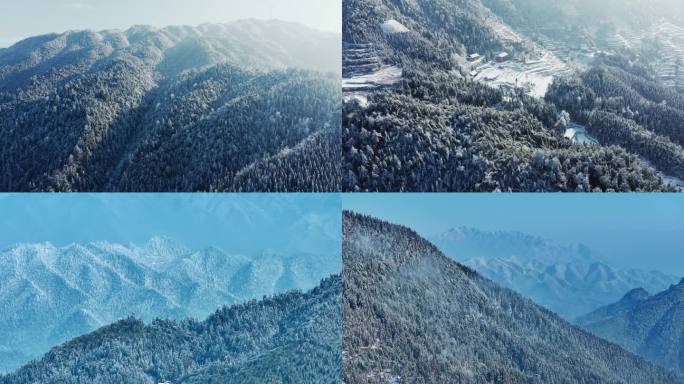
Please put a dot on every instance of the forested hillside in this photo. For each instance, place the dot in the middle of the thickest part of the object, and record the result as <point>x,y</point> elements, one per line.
<point>410,314</point>
<point>620,107</point>
<point>291,338</point>
<point>246,106</point>
<point>440,129</point>
<point>649,325</point>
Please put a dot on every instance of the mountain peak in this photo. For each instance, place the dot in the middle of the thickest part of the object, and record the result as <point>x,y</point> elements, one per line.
<point>363,228</point>
<point>638,294</point>
<point>679,287</point>
<point>643,324</point>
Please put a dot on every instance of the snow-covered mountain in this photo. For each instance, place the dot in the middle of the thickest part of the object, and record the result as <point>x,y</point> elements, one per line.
<point>248,43</point>
<point>568,279</point>
<point>412,315</point>
<point>50,294</point>
<point>471,243</point>
<point>289,338</point>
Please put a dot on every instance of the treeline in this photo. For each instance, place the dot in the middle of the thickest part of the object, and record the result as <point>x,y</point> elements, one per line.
<point>293,337</point>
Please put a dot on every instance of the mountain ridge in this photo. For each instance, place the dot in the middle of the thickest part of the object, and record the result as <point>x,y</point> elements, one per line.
<point>291,337</point>
<point>571,280</point>
<point>649,325</point>
<point>45,287</point>
<point>411,313</point>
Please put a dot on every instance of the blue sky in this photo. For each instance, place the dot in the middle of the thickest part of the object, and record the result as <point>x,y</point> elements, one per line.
<point>21,19</point>
<point>629,230</point>
<point>242,223</point>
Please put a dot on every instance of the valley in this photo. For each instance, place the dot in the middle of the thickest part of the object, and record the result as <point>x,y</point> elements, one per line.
<point>530,60</point>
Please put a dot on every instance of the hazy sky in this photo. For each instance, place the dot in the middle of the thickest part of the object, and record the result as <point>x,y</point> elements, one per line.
<point>21,19</point>
<point>239,223</point>
<point>629,230</point>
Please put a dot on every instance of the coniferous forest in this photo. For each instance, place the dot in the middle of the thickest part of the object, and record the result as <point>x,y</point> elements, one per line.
<point>412,315</point>
<point>342,191</point>
<point>447,125</point>
<point>235,107</point>
<point>294,337</point>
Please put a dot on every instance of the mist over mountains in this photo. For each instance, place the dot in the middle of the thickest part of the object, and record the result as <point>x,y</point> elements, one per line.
<point>570,280</point>
<point>584,13</point>
<point>50,295</point>
<point>412,314</point>
<point>246,106</point>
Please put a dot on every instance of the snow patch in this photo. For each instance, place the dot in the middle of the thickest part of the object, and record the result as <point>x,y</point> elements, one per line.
<point>393,26</point>
<point>578,135</point>
<point>535,76</point>
<point>359,98</point>
<point>385,77</point>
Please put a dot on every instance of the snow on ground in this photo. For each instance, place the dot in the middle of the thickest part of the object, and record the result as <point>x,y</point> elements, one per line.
<point>502,30</point>
<point>669,180</point>
<point>358,97</point>
<point>393,26</point>
<point>578,135</point>
<point>534,76</point>
<point>387,76</point>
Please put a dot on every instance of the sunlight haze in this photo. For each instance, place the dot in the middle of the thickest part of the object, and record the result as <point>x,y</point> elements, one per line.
<point>19,20</point>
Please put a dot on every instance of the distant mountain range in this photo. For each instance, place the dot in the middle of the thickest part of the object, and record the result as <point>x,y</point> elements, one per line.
<point>246,106</point>
<point>649,325</point>
<point>290,338</point>
<point>411,314</point>
<point>294,223</point>
<point>568,279</point>
<point>50,295</point>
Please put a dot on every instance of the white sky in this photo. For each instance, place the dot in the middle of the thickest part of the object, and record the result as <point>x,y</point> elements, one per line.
<point>24,18</point>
